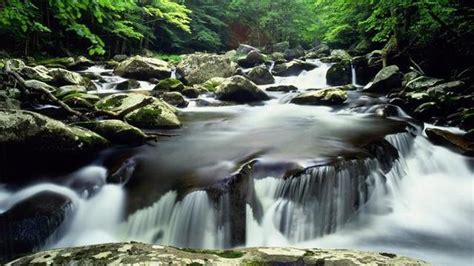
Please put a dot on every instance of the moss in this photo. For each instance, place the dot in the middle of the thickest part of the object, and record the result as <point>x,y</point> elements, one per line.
<point>169,84</point>
<point>173,58</point>
<point>308,253</point>
<point>228,254</point>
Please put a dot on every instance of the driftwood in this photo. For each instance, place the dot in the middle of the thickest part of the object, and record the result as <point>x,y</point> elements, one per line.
<point>24,87</point>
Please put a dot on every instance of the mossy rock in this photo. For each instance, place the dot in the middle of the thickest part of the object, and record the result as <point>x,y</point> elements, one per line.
<point>116,131</point>
<point>212,84</point>
<point>339,74</point>
<point>155,115</point>
<point>63,91</point>
<point>121,102</point>
<point>174,98</point>
<point>62,62</point>
<point>169,84</point>
<point>329,96</point>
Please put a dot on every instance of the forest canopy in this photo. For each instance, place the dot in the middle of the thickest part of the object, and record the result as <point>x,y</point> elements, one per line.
<point>107,27</point>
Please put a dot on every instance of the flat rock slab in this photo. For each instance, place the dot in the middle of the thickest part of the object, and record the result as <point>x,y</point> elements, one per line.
<point>146,254</point>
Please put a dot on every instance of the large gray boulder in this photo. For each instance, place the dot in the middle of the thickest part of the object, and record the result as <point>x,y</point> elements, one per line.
<point>387,79</point>
<point>143,68</point>
<point>200,67</point>
<point>241,90</point>
<point>329,96</point>
<point>339,74</point>
<point>260,75</point>
<point>148,254</point>
<point>292,68</point>
<point>63,77</point>
<point>253,58</point>
<point>40,73</point>
<point>24,130</point>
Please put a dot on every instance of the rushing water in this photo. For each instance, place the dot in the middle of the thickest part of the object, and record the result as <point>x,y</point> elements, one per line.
<point>280,174</point>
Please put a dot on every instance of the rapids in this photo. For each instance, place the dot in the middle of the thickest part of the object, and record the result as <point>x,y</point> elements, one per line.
<point>278,174</point>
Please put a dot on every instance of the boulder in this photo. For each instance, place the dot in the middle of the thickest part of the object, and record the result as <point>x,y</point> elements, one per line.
<point>389,78</point>
<point>123,103</point>
<point>120,57</point>
<point>200,67</point>
<point>126,85</point>
<point>63,77</point>
<point>156,115</point>
<point>149,254</point>
<point>364,71</point>
<point>282,88</point>
<point>321,50</point>
<point>294,53</point>
<point>35,133</point>
<point>278,58</point>
<point>80,63</point>
<point>36,84</point>
<point>241,90</point>
<point>64,91</point>
<point>40,73</point>
<point>174,98</point>
<point>169,84</point>
<point>116,131</point>
<point>451,140</point>
<point>81,100</point>
<point>337,55</point>
<point>57,62</point>
<point>253,58</point>
<point>213,83</point>
<point>339,74</point>
<point>260,75</point>
<point>428,111</point>
<point>292,68</point>
<point>281,47</point>
<point>29,223</point>
<point>329,96</point>
<point>245,49</point>
<point>422,83</point>
<point>143,68</point>
<point>15,64</point>
<point>448,88</point>
<point>409,77</point>
<point>192,92</point>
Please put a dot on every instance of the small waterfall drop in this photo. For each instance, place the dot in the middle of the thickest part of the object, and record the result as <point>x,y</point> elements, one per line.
<point>354,75</point>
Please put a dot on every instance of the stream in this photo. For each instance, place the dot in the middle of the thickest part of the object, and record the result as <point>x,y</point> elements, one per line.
<point>360,176</point>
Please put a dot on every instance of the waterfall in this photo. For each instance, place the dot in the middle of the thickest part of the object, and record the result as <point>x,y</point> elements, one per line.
<point>354,76</point>
<point>173,73</point>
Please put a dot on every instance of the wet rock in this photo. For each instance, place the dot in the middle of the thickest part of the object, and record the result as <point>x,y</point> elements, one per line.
<point>260,75</point>
<point>28,224</point>
<point>37,133</point>
<point>329,96</point>
<point>339,74</point>
<point>80,63</point>
<point>245,49</point>
<point>174,98</point>
<point>120,57</point>
<point>63,77</point>
<point>319,51</point>
<point>193,92</point>
<point>36,84</point>
<point>280,47</point>
<point>427,111</point>
<point>292,68</point>
<point>200,67</point>
<point>64,91</point>
<point>278,58</point>
<point>81,100</point>
<point>451,140</point>
<point>282,88</point>
<point>253,58</point>
<point>123,103</point>
<point>116,131</point>
<point>294,53</point>
<point>128,85</point>
<point>467,119</point>
<point>143,68</point>
<point>422,83</point>
<point>58,62</point>
<point>364,71</point>
<point>340,55</point>
<point>40,73</point>
<point>157,114</point>
<point>409,77</point>
<point>169,84</point>
<point>15,64</point>
<point>448,88</point>
<point>389,78</point>
<point>140,253</point>
<point>241,90</point>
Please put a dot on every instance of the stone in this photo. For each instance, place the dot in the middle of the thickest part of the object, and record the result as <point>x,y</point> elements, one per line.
<point>456,142</point>
<point>200,67</point>
<point>192,92</point>
<point>63,91</point>
<point>36,84</point>
<point>386,80</point>
<point>174,98</point>
<point>282,88</point>
<point>428,110</point>
<point>80,63</point>
<point>120,57</point>
<point>123,103</point>
<point>260,75</point>
<point>212,84</point>
<point>444,89</point>
<point>15,64</point>
<point>30,222</point>
<point>116,131</point>
<point>340,55</point>
<point>422,83</point>
<point>35,133</point>
<point>156,115</point>
<point>253,58</point>
<point>281,47</point>
<point>149,254</point>
<point>65,77</point>
<point>329,96</point>
<point>143,68</point>
<point>241,90</point>
<point>294,53</point>
<point>292,68</point>
<point>40,73</point>
<point>169,84</point>
<point>126,85</point>
<point>339,74</point>
<point>245,49</point>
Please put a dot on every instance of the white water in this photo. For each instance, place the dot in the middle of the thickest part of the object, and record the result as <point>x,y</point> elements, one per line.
<point>354,76</point>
